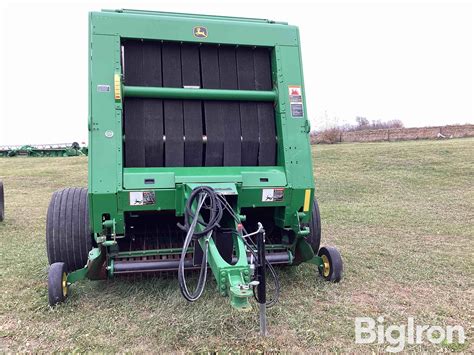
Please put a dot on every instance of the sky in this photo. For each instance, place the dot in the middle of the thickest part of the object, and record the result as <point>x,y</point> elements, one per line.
<point>406,60</point>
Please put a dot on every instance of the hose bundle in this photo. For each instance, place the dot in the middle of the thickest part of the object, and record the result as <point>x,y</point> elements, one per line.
<point>206,198</point>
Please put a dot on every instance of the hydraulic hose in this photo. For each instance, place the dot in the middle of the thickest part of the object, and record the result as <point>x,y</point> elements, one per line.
<point>191,297</point>
<point>191,219</point>
<point>204,197</point>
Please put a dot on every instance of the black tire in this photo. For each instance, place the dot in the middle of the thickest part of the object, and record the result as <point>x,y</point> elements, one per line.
<point>57,283</point>
<point>68,237</point>
<point>314,237</point>
<point>334,268</point>
<point>2,203</point>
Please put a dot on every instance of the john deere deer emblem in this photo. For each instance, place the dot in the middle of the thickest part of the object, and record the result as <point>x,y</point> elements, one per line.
<point>200,32</point>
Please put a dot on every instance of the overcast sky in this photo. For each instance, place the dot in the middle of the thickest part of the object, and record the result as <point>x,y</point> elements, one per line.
<point>404,60</point>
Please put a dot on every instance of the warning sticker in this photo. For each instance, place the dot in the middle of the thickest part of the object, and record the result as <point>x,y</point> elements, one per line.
<point>272,195</point>
<point>103,88</point>
<point>296,110</point>
<point>296,101</point>
<point>141,198</point>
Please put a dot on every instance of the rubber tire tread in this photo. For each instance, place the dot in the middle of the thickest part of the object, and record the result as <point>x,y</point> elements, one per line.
<point>55,288</point>
<point>68,237</point>
<point>335,262</point>
<point>314,238</point>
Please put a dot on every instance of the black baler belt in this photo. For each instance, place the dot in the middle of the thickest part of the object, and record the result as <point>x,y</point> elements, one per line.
<point>190,66</point>
<point>213,116</point>
<point>215,134</point>
<point>266,117</point>
<point>192,110</point>
<point>237,133</point>
<point>230,110</point>
<point>248,110</point>
<point>173,109</point>
<point>152,64</point>
<point>249,124</point>
<point>142,63</point>
<point>193,144</point>
<point>267,141</point>
<point>133,62</point>
<point>209,67</point>
<point>133,128</point>
<point>174,145</point>
<point>171,58</point>
<point>134,146</point>
<point>153,132</point>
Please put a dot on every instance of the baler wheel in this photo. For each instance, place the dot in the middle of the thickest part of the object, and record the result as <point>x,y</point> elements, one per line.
<point>332,264</point>
<point>68,237</point>
<point>57,283</point>
<point>2,203</point>
<point>314,237</point>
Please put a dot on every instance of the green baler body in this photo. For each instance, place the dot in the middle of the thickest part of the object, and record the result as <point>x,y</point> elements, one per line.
<point>110,182</point>
<point>110,179</point>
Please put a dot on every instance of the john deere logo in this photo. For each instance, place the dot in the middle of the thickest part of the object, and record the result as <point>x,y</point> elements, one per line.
<point>200,32</point>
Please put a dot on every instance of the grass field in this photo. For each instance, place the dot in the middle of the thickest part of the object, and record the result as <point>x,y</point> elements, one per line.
<point>402,215</point>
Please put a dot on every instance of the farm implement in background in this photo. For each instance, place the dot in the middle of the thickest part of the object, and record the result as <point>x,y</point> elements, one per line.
<point>44,150</point>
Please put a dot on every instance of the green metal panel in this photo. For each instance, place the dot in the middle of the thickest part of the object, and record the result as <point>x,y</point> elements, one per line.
<point>194,16</point>
<point>134,178</point>
<point>171,28</point>
<point>294,131</point>
<point>105,121</point>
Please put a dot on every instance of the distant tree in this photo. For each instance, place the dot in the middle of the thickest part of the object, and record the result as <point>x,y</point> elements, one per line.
<point>396,124</point>
<point>362,123</point>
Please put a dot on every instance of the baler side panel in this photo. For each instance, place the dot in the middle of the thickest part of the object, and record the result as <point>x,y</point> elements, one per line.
<point>105,131</point>
<point>295,130</point>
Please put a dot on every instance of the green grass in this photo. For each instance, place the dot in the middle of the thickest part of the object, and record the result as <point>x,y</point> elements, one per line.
<point>401,214</point>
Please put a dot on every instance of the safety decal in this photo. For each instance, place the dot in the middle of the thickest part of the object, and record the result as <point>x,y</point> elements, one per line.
<point>142,198</point>
<point>296,101</point>
<point>103,88</point>
<point>272,195</point>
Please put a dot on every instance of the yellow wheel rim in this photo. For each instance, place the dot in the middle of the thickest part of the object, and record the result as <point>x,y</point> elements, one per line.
<point>64,284</point>
<point>326,266</point>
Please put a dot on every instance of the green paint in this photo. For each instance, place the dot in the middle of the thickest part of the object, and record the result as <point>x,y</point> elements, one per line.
<point>198,94</point>
<point>77,275</point>
<point>316,260</point>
